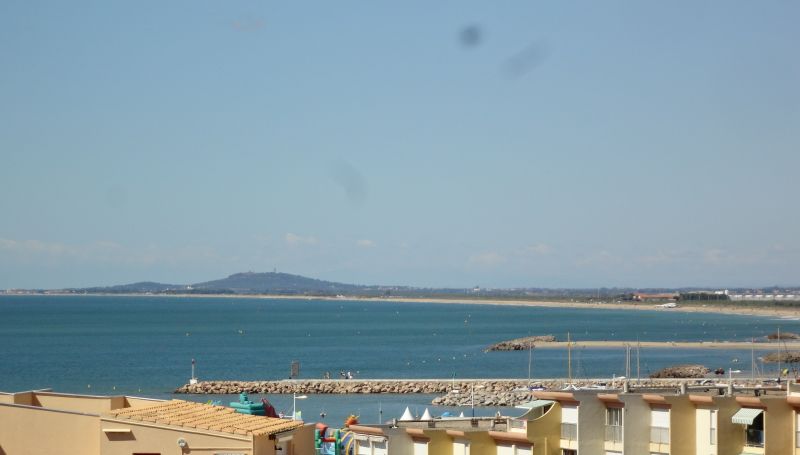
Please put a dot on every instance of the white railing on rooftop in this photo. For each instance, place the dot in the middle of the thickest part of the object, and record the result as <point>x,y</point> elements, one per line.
<point>569,431</point>
<point>614,433</point>
<point>659,435</point>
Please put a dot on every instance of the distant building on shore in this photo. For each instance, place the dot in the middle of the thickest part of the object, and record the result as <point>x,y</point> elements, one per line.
<point>643,297</point>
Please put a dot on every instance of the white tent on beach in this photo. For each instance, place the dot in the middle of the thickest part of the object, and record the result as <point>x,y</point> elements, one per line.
<point>406,415</point>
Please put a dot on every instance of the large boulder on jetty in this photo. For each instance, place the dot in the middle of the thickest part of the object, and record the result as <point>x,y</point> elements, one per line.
<point>520,344</point>
<point>682,371</point>
<point>785,357</point>
<point>783,336</point>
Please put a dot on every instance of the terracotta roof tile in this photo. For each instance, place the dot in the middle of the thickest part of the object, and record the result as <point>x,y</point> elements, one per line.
<point>205,416</point>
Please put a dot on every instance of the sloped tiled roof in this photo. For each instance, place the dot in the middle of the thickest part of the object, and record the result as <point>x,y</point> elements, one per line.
<point>205,417</point>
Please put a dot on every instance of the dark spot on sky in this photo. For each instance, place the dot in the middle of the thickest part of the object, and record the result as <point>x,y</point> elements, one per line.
<point>351,181</point>
<point>525,60</point>
<point>470,36</point>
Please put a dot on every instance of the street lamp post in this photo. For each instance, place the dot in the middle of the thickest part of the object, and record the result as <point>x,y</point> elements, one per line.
<point>296,397</point>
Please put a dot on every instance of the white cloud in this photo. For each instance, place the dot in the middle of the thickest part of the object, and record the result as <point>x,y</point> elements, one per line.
<point>487,259</point>
<point>600,258</point>
<point>539,249</point>
<point>294,239</point>
<point>365,243</point>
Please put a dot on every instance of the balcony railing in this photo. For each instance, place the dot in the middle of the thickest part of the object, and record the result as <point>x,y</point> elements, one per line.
<point>712,436</point>
<point>754,438</point>
<point>569,431</point>
<point>614,433</point>
<point>659,435</point>
<point>517,424</point>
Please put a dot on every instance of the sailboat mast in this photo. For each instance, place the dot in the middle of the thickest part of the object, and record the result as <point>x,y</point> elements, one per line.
<point>752,360</point>
<point>780,353</point>
<point>569,358</point>
<point>638,345</point>
<point>530,358</point>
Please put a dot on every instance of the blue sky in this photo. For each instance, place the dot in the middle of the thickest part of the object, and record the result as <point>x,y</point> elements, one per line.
<point>574,144</point>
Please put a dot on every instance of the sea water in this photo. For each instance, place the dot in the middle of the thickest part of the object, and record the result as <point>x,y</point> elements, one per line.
<point>143,345</point>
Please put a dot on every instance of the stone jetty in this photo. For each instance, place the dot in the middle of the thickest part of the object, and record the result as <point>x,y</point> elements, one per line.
<point>352,386</point>
<point>485,392</point>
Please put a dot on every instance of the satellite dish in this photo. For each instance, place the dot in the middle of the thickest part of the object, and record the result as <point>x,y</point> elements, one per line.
<point>182,443</point>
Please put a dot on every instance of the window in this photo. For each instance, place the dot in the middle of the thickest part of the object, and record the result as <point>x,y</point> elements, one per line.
<point>420,447</point>
<point>797,429</point>
<point>569,452</point>
<point>754,433</point>
<point>712,425</point>
<point>569,423</point>
<point>659,426</point>
<point>460,447</point>
<point>614,424</point>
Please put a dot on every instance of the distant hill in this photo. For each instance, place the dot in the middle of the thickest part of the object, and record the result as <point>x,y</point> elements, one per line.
<point>275,283</point>
<point>239,283</point>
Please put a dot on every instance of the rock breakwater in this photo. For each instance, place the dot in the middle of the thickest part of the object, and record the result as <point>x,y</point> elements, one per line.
<point>351,386</point>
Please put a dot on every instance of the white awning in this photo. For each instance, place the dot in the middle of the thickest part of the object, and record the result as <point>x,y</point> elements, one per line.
<point>746,416</point>
<point>534,404</point>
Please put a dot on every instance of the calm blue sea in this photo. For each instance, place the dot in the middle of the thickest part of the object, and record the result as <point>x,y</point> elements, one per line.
<point>144,345</point>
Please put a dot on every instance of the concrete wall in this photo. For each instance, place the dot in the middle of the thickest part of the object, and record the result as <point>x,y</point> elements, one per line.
<point>591,424</point>
<point>636,425</point>
<point>153,438</point>
<point>28,430</point>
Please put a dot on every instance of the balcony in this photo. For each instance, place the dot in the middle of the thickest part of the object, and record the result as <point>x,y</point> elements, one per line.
<point>569,431</point>
<point>614,433</point>
<point>754,437</point>
<point>659,435</point>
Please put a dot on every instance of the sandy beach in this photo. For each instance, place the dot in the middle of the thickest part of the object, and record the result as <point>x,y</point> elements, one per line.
<point>692,307</point>
<point>671,344</point>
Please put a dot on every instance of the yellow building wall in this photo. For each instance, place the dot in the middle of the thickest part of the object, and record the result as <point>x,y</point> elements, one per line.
<point>440,443</point>
<point>155,439</point>
<point>730,436</point>
<point>78,403</point>
<point>682,426</point>
<point>545,432</point>
<point>302,440</point>
<point>35,431</point>
<point>778,427</point>
<point>137,402</point>
<point>482,444</point>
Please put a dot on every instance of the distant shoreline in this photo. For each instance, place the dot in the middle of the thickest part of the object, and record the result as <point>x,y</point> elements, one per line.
<point>710,307</point>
